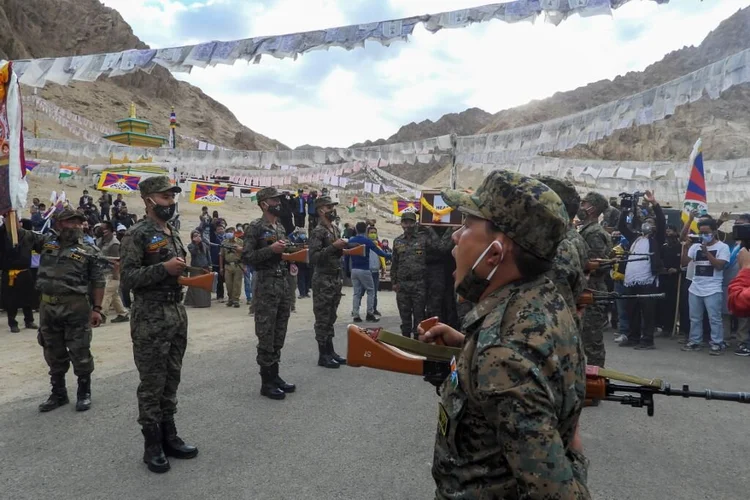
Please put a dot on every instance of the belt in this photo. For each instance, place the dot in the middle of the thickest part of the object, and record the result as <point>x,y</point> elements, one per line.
<point>331,272</point>
<point>61,299</point>
<point>171,297</point>
<point>279,273</point>
<point>231,263</point>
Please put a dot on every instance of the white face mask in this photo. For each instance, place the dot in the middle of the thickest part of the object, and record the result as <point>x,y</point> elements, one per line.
<point>472,286</point>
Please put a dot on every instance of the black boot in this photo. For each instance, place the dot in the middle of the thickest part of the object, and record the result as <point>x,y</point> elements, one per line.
<point>84,394</point>
<point>324,357</point>
<point>59,394</point>
<point>268,387</point>
<point>153,454</point>
<point>280,381</point>
<point>338,359</point>
<point>171,443</point>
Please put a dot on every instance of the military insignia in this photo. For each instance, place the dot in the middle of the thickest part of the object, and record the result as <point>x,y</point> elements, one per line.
<point>454,373</point>
<point>442,420</point>
<point>420,252</point>
<point>76,255</point>
<point>156,243</point>
<point>51,245</point>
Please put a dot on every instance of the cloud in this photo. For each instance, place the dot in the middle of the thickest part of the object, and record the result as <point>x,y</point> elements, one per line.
<point>337,98</point>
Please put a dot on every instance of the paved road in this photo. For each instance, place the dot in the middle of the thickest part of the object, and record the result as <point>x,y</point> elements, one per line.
<point>356,433</point>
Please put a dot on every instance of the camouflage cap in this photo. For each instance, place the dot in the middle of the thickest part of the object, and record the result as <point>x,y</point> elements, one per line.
<point>267,193</point>
<point>157,184</point>
<point>598,201</point>
<point>68,213</point>
<point>409,216</point>
<point>524,209</point>
<point>565,190</point>
<point>324,201</point>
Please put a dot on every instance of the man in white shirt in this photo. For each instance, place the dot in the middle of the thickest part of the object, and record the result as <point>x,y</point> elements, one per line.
<point>706,290</point>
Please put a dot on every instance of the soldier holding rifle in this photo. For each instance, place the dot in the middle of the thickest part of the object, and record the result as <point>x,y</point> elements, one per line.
<point>508,420</point>
<point>152,258</point>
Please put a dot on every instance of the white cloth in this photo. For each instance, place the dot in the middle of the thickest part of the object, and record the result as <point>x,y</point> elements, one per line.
<point>638,272</point>
<point>707,280</point>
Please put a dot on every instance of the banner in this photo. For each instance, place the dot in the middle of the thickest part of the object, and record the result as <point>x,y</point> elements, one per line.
<point>13,187</point>
<point>440,212</point>
<point>207,194</point>
<point>695,195</point>
<point>118,183</point>
<point>401,206</point>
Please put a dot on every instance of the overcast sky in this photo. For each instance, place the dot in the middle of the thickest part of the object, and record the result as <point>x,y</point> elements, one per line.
<point>337,98</point>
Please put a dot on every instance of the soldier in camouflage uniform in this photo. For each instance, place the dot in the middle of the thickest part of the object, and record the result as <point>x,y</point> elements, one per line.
<point>264,244</point>
<point>152,257</point>
<point>67,268</point>
<point>326,249</point>
<point>600,246</point>
<point>408,270</point>
<point>572,253</point>
<point>508,420</point>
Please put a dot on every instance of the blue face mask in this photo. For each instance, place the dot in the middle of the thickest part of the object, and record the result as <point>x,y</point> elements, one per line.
<point>228,236</point>
<point>707,238</point>
<point>624,241</point>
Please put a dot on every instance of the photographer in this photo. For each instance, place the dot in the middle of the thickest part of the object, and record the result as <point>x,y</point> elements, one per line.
<point>739,288</point>
<point>642,275</point>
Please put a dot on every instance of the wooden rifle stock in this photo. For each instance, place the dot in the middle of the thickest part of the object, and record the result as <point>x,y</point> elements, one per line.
<point>203,281</point>
<point>358,251</point>
<point>300,256</point>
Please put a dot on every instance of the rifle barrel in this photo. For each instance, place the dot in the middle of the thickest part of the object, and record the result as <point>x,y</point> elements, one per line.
<point>685,392</point>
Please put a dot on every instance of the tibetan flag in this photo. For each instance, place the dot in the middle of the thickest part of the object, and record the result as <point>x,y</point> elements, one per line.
<point>353,205</point>
<point>400,205</point>
<point>30,165</point>
<point>207,194</point>
<point>67,171</point>
<point>118,183</point>
<point>695,195</point>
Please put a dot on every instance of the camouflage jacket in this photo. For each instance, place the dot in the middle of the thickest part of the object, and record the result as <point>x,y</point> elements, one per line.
<point>260,235</point>
<point>567,274</point>
<point>143,250</point>
<point>409,261</point>
<point>323,255</point>
<point>510,408</point>
<point>66,269</point>
<point>599,246</point>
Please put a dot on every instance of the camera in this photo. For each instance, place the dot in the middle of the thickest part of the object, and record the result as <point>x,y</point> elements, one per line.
<point>694,238</point>
<point>628,201</point>
<point>741,232</point>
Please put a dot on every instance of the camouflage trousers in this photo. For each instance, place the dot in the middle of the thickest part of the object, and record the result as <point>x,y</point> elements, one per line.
<point>326,298</point>
<point>592,328</point>
<point>435,284</point>
<point>410,299</point>
<point>272,303</point>
<point>159,334</point>
<point>65,336</point>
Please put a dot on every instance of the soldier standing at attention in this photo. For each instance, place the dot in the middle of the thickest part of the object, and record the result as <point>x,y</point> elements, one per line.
<point>66,269</point>
<point>408,270</point>
<point>326,250</point>
<point>572,253</point>
<point>264,244</point>
<point>152,257</point>
<point>600,246</point>
<point>508,420</point>
<point>230,267</point>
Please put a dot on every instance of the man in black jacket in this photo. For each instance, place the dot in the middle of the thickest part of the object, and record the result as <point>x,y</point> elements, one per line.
<point>642,276</point>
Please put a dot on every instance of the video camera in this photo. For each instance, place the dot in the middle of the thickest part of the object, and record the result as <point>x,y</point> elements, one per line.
<point>741,233</point>
<point>629,201</point>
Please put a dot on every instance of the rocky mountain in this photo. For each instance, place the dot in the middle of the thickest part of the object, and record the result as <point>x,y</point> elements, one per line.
<point>724,124</point>
<point>46,28</point>
<point>464,123</point>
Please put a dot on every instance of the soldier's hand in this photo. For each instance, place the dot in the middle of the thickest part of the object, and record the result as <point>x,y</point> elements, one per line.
<point>279,246</point>
<point>451,337</point>
<point>175,266</point>
<point>340,244</point>
<point>95,319</point>
<point>576,444</point>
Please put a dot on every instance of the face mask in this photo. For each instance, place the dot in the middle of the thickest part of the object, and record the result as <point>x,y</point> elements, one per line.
<point>71,235</point>
<point>374,237</point>
<point>331,216</point>
<point>274,210</point>
<point>624,241</point>
<point>707,238</point>
<point>164,213</point>
<point>582,213</point>
<point>646,228</point>
<point>472,286</point>
<point>228,236</point>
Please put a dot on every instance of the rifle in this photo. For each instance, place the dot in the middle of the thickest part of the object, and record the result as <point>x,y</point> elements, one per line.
<point>640,392</point>
<point>303,255</point>
<point>596,264</point>
<point>590,297</point>
<point>203,281</point>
